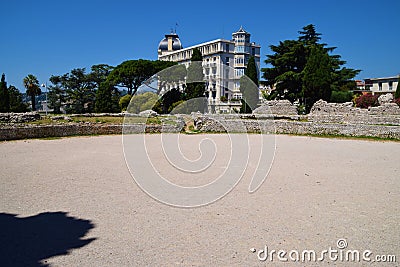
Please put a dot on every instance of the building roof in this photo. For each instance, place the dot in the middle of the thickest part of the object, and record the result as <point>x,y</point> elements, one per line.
<point>382,78</point>
<point>176,43</point>
<point>241,30</point>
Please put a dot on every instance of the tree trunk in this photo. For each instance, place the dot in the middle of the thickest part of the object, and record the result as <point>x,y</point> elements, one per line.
<point>33,102</point>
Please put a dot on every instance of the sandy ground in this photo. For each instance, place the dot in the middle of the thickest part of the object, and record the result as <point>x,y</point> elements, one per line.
<point>73,202</point>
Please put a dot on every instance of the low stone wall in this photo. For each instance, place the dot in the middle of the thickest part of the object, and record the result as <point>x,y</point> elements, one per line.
<point>19,117</point>
<point>277,107</point>
<point>16,132</point>
<point>323,112</point>
<point>295,127</point>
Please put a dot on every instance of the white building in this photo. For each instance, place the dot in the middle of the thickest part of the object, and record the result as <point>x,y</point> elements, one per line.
<point>224,62</point>
<point>382,85</point>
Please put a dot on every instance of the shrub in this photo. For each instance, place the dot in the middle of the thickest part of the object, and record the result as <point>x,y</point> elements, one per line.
<point>366,101</point>
<point>124,101</point>
<point>397,101</point>
<point>223,98</point>
<point>341,96</point>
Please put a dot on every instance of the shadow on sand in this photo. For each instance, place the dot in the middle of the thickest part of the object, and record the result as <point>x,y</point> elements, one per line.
<point>28,241</point>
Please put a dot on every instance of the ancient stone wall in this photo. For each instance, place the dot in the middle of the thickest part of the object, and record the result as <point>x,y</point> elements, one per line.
<point>19,117</point>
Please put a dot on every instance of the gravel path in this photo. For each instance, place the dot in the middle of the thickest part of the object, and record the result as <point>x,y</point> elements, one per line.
<point>73,202</point>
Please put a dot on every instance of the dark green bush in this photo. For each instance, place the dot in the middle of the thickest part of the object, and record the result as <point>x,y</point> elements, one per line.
<point>341,96</point>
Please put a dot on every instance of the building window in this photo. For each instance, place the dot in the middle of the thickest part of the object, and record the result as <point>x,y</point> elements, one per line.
<point>239,48</point>
<point>227,61</point>
<point>390,85</point>
<point>380,86</point>
<point>253,51</point>
<point>227,47</point>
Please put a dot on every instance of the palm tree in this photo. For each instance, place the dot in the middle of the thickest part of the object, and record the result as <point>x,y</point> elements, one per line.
<point>31,84</point>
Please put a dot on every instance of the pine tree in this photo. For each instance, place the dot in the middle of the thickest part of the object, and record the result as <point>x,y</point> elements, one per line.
<point>4,95</point>
<point>105,98</point>
<point>317,76</point>
<point>286,76</point>
<point>16,101</point>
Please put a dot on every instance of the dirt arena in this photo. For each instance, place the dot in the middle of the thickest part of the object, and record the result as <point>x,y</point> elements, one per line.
<point>73,202</point>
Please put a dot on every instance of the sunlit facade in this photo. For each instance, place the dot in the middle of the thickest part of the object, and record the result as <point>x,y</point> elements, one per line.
<point>224,62</point>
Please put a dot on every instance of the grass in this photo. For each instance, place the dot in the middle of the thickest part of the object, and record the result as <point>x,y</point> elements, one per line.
<point>111,120</point>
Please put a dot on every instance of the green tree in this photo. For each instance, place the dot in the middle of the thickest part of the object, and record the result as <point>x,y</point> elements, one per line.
<point>397,94</point>
<point>284,76</point>
<point>195,86</point>
<point>79,88</point>
<point>99,73</point>
<point>31,84</point>
<point>56,95</point>
<point>107,98</point>
<point>289,60</point>
<point>165,104</point>
<point>132,73</point>
<point>142,102</point>
<point>317,77</point>
<point>16,102</point>
<point>4,95</point>
<point>341,96</point>
<point>249,87</point>
<point>124,101</point>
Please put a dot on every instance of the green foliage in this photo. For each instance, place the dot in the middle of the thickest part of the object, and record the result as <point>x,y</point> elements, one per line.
<point>80,92</point>
<point>397,94</point>
<point>107,98</point>
<point>142,102</point>
<point>195,86</point>
<point>290,78</point>
<point>31,84</point>
<point>4,95</point>
<point>196,55</point>
<point>249,87</point>
<point>99,73</point>
<point>107,95</point>
<point>132,73</point>
<point>251,70</point>
<point>16,102</point>
<point>250,94</point>
<point>366,101</point>
<point>164,104</point>
<point>124,102</point>
<point>223,98</point>
<point>316,76</point>
<point>341,96</point>
<point>56,95</point>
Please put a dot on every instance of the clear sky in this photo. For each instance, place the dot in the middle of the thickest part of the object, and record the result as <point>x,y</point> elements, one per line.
<point>47,38</point>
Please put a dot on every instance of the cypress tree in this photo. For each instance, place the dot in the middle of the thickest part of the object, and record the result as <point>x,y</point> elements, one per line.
<point>249,87</point>
<point>4,95</point>
<point>195,87</point>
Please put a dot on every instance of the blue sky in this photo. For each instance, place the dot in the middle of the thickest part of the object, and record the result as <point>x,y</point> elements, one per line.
<point>47,38</point>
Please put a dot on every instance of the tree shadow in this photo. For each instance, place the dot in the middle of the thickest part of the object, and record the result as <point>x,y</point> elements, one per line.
<point>28,241</point>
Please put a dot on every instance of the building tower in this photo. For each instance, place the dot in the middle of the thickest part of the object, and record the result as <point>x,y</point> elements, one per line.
<point>169,44</point>
<point>242,52</point>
